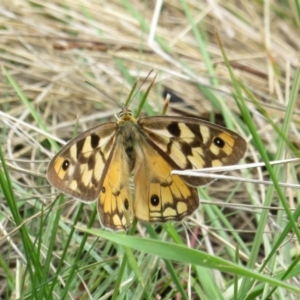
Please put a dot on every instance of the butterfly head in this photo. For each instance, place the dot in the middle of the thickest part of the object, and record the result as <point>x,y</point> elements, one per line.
<point>125,115</point>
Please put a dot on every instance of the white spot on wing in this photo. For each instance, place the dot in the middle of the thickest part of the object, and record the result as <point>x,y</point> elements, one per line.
<point>205,133</point>
<point>73,152</point>
<point>185,132</point>
<point>73,185</point>
<point>86,174</point>
<point>216,163</point>
<point>99,166</point>
<point>214,149</point>
<point>86,149</point>
<point>71,171</point>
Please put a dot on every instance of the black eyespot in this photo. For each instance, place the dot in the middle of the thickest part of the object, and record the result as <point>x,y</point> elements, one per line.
<point>103,190</point>
<point>126,204</point>
<point>154,200</point>
<point>219,142</point>
<point>65,165</point>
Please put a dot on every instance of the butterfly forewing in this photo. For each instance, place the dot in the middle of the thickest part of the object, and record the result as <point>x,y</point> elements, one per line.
<point>78,167</point>
<point>190,143</point>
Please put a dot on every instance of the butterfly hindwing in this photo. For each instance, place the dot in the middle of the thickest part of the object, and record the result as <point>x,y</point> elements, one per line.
<point>115,199</point>
<point>160,196</point>
<point>78,167</point>
<point>190,143</point>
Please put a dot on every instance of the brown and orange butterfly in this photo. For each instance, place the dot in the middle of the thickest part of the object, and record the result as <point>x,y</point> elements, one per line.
<point>97,164</point>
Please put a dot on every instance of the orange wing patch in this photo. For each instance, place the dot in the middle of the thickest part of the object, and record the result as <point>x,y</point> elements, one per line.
<point>160,196</point>
<point>115,200</point>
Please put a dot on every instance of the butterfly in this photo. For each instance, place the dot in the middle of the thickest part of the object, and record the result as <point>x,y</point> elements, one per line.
<point>97,164</point>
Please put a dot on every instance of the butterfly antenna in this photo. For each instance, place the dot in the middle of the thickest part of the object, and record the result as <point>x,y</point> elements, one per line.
<point>103,93</point>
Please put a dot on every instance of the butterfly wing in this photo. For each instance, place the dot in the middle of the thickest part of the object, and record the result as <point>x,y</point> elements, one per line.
<point>160,196</point>
<point>191,143</point>
<point>78,167</point>
<point>115,200</point>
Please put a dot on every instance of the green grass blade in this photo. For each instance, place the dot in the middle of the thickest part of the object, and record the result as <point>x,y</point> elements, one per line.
<point>186,255</point>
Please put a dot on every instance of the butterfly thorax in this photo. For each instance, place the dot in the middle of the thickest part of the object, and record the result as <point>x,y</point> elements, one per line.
<point>129,136</point>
